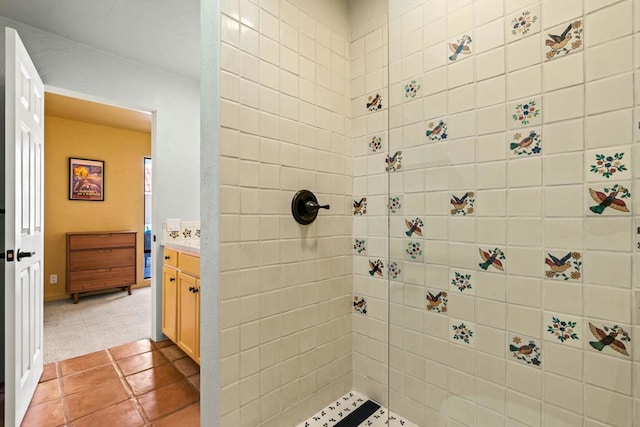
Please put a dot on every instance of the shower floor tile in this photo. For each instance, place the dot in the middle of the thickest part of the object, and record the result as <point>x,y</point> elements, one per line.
<point>343,407</point>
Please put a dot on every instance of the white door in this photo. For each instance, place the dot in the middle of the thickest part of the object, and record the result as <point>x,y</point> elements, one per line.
<point>24,155</point>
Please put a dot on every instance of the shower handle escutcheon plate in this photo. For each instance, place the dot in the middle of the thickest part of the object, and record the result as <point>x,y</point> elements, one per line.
<point>305,207</point>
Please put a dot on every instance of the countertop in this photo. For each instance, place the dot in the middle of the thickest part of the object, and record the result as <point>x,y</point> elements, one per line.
<point>192,246</point>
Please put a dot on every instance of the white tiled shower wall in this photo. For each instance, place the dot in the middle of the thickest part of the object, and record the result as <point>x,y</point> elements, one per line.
<point>482,286</point>
<point>286,290</point>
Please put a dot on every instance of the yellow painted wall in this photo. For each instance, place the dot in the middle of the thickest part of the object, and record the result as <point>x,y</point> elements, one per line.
<point>123,152</point>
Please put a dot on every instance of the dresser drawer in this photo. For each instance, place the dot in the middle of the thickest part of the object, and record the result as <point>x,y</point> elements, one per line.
<point>170,257</point>
<point>103,278</point>
<point>105,240</point>
<point>189,264</point>
<point>101,258</point>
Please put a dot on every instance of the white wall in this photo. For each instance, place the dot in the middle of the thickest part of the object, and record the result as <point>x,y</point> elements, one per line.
<point>73,67</point>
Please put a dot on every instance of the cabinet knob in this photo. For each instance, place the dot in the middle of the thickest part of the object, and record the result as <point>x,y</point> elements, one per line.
<point>191,288</point>
<point>167,257</point>
<point>196,290</point>
<point>172,279</point>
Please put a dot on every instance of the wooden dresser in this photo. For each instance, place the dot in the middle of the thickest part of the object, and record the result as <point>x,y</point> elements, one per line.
<point>100,260</point>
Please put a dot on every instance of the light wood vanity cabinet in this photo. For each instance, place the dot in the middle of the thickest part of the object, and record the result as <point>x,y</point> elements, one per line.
<point>100,260</point>
<point>181,300</point>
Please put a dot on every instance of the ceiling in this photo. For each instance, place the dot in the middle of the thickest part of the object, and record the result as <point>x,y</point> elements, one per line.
<point>164,34</point>
<point>92,112</point>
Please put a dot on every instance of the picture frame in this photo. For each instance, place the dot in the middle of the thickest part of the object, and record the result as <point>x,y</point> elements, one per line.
<point>86,179</point>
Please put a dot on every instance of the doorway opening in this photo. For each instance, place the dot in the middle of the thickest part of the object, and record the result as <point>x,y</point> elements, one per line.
<point>120,139</point>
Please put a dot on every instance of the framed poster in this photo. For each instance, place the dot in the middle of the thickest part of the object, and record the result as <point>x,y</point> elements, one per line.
<point>86,179</point>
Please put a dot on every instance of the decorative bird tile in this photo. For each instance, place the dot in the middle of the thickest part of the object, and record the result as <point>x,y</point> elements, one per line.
<point>610,200</point>
<point>374,102</point>
<point>394,163</point>
<point>414,226</point>
<point>460,46</point>
<point>524,349</point>
<point>610,337</point>
<point>437,131</point>
<point>462,204</point>
<point>376,267</point>
<point>437,301</point>
<point>360,207</point>
<point>526,143</point>
<point>492,258</point>
<point>564,39</point>
<point>562,265</point>
<point>359,305</point>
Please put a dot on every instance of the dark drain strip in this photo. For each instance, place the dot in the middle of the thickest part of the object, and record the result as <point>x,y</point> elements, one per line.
<point>358,416</point>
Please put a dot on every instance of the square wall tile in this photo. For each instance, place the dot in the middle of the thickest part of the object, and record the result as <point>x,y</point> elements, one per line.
<point>525,83</point>
<point>491,91</point>
<point>489,36</point>
<point>564,233</point>
<point>610,94</point>
<point>562,297</point>
<point>556,13</point>
<point>564,169</point>
<point>609,407</point>
<point>564,136</point>
<point>564,201</point>
<point>492,119</point>
<point>563,360</point>
<point>524,53</point>
<point>604,130</point>
<point>565,73</point>
<point>525,202</point>
<point>608,234</point>
<point>609,23</point>
<point>492,231</point>
<point>525,173</point>
<point>611,58</point>
<point>490,64</point>
<point>608,268</point>
<point>492,203</point>
<point>491,147</point>
<point>564,104</point>
<point>609,304</point>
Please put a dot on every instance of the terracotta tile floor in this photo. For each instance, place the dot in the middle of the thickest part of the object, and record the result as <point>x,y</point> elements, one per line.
<point>142,383</point>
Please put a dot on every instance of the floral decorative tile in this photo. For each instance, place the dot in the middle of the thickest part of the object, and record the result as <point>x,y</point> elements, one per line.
<point>563,39</point>
<point>437,131</point>
<point>461,281</point>
<point>413,250</point>
<point>385,418</point>
<point>564,329</point>
<point>525,113</point>
<point>174,234</point>
<point>412,89</point>
<point>462,204</point>
<point>336,411</point>
<point>360,207</point>
<point>492,258</point>
<point>610,339</point>
<point>603,165</point>
<point>460,47</point>
<point>375,144</point>
<point>437,301</point>
<point>525,350</point>
<point>562,265</point>
<point>376,267</point>
<point>527,143</point>
<point>395,270</point>
<point>360,246</point>
<point>395,205</point>
<point>359,305</point>
<point>414,226</point>
<point>523,23</point>
<point>197,233</point>
<point>609,200</point>
<point>394,163</point>
<point>374,102</point>
<point>462,332</point>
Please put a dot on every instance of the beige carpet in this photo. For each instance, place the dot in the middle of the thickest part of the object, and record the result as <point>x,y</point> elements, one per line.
<point>97,322</point>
